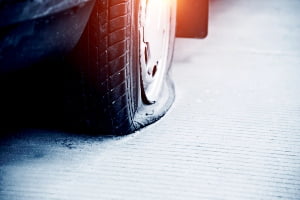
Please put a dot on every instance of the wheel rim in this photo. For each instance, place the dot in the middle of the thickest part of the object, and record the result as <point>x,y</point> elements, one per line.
<point>154,23</point>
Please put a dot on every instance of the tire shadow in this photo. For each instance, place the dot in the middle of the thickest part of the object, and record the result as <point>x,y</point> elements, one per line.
<point>42,96</point>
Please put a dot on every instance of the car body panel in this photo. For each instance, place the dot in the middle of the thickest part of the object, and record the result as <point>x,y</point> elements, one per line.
<point>30,37</point>
<point>16,11</point>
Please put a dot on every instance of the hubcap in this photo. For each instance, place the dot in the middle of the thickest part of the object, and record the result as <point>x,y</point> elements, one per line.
<point>154,22</point>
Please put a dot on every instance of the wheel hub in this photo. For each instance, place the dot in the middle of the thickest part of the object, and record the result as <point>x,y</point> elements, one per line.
<point>154,45</point>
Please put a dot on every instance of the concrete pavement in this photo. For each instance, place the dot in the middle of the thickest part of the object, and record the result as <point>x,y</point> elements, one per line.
<point>232,133</point>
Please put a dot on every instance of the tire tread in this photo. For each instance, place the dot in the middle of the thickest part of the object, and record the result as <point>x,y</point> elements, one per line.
<point>107,107</point>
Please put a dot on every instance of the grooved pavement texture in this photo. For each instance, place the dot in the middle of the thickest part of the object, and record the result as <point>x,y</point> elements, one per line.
<point>233,132</point>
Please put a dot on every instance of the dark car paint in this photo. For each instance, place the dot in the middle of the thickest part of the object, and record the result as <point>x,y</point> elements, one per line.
<point>38,29</point>
<point>16,11</point>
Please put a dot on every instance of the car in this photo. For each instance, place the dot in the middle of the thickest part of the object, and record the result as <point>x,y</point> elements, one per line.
<point>122,50</point>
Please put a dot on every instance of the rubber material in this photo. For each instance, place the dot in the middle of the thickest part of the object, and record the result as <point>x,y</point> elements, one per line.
<point>107,58</point>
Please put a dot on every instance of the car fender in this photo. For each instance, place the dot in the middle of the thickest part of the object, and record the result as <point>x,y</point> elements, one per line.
<point>16,11</point>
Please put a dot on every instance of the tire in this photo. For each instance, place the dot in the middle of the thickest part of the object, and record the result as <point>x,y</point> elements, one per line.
<point>114,97</point>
